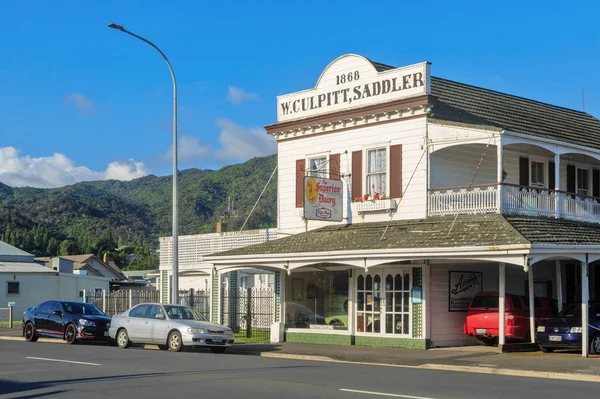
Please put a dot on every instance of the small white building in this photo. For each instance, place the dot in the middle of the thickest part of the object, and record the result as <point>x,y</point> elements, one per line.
<point>28,283</point>
<point>196,274</point>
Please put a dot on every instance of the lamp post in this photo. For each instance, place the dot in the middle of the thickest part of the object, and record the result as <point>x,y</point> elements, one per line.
<point>175,269</point>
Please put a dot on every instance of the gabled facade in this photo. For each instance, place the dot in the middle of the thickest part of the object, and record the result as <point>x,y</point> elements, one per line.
<point>91,265</point>
<point>442,183</point>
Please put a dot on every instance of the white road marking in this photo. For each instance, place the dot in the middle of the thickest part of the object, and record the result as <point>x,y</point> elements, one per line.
<point>394,395</point>
<point>63,361</point>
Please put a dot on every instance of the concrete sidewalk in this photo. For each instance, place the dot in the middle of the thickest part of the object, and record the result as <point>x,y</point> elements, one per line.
<point>477,359</point>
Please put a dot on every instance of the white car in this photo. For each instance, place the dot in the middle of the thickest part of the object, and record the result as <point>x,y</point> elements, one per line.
<point>171,327</point>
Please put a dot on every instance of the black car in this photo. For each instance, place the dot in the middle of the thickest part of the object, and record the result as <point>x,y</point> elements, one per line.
<point>68,320</point>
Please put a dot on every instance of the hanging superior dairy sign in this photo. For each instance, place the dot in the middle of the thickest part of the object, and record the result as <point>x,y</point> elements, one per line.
<point>463,286</point>
<point>352,81</point>
<point>323,199</point>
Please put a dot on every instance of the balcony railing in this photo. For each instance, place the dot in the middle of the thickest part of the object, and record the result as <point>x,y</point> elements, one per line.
<point>514,200</point>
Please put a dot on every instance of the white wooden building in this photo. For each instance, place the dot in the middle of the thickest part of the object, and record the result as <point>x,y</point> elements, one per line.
<point>501,190</point>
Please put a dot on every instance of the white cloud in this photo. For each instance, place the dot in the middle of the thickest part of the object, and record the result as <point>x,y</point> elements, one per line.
<point>191,151</point>
<point>83,104</point>
<point>57,170</point>
<point>236,95</point>
<point>125,170</point>
<point>236,143</point>
<point>239,143</point>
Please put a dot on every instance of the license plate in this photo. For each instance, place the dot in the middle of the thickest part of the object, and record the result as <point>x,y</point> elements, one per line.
<point>106,333</point>
<point>555,338</point>
<point>481,330</point>
<point>218,340</point>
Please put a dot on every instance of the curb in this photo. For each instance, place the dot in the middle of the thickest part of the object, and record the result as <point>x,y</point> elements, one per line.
<point>447,367</point>
<point>427,366</point>
<point>44,340</point>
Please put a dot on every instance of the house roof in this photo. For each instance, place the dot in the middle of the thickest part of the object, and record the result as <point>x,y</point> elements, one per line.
<point>23,267</point>
<point>9,250</point>
<point>555,231</point>
<point>459,102</point>
<point>81,263</point>
<point>435,232</point>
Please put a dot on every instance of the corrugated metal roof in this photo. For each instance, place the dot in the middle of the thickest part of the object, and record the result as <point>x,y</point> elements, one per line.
<point>24,267</point>
<point>9,250</point>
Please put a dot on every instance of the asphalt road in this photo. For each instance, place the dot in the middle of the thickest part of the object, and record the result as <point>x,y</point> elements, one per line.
<point>40,370</point>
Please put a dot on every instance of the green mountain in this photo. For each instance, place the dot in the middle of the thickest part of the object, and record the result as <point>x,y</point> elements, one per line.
<point>97,217</point>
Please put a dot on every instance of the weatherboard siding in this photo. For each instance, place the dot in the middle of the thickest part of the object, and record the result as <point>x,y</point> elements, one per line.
<point>457,166</point>
<point>447,327</point>
<point>409,133</point>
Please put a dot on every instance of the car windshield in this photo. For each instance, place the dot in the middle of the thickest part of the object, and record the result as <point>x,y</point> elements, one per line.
<point>183,313</point>
<point>82,308</point>
<point>573,310</point>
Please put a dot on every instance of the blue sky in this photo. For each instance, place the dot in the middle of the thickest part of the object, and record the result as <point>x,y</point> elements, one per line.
<point>81,101</point>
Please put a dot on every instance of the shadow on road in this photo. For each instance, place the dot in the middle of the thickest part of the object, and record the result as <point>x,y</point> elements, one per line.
<point>11,386</point>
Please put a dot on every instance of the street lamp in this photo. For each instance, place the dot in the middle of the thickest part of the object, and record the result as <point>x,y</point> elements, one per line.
<point>175,277</point>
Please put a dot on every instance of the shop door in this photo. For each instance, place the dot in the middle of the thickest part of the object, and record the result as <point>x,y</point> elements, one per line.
<point>383,302</point>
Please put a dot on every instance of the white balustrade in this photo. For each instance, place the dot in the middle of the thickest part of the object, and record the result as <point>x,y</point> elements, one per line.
<point>526,201</point>
<point>580,209</point>
<point>463,201</point>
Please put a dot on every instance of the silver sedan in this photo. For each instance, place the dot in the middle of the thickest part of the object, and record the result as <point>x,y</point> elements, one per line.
<point>171,327</point>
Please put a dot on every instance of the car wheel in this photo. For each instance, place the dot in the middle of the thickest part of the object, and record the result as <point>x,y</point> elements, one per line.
<point>71,334</point>
<point>218,349</point>
<point>545,349</point>
<point>29,333</point>
<point>175,342</point>
<point>123,339</point>
<point>595,344</point>
<point>163,347</point>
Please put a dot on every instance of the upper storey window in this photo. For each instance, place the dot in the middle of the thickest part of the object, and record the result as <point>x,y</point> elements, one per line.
<point>318,167</point>
<point>377,171</point>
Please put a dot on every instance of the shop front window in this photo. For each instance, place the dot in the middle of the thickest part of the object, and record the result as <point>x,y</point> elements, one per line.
<point>317,300</point>
<point>383,303</point>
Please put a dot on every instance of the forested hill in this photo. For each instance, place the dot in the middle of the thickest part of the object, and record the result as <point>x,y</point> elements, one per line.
<point>97,217</point>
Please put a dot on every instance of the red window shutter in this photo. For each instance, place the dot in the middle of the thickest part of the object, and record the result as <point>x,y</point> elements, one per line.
<point>300,171</point>
<point>357,174</point>
<point>396,171</point>
<point>334,166</point>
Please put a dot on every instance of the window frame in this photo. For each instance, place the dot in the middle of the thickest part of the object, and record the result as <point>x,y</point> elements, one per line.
<point>544,164</point>
<point>367,189</point>
<point>18,285</point>
<point>321,174</point>
<point>587,182</point>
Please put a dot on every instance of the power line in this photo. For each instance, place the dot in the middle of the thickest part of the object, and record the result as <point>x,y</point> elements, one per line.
<point>259,197</point>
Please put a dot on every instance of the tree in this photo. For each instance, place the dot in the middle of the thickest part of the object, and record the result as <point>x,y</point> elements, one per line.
<point>52,248</point>
<point>143,259</point>
<point>67,247</point>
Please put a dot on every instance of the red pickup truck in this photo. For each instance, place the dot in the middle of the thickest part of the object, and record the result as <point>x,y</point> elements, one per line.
<point>482,318</point>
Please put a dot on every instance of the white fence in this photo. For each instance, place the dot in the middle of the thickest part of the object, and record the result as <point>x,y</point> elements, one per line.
<point>463,201</point>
